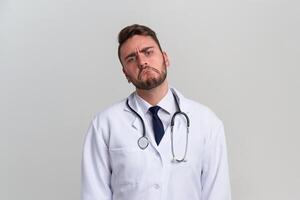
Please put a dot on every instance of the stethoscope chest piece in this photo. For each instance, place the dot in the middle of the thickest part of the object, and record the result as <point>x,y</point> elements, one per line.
<point>143,142</point>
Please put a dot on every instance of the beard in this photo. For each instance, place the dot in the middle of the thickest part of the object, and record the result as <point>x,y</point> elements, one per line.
<point>152,82</point>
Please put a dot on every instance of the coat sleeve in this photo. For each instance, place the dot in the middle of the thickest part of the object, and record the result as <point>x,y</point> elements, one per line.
<point>215,175</point>
<point>96,169</point>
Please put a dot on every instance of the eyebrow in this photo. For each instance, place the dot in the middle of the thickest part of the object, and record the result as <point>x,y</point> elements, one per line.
<point>143,50</point>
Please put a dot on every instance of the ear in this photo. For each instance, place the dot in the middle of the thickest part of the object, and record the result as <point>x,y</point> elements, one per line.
<point>166,59</point>
<point>127,77</point>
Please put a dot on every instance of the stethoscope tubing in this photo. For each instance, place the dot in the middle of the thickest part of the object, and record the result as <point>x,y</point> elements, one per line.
<point>143,141</point>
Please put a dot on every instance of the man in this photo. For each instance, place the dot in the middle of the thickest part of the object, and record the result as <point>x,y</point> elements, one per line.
<point>132,149</point>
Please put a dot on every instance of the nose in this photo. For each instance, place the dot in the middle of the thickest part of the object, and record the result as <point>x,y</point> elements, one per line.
<point>141,61</point>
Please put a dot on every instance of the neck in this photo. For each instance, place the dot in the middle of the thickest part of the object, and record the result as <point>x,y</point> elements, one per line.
<point>154,95</point>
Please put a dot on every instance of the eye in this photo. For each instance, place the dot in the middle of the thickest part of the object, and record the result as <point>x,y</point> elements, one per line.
<point>148,52</point>
<point>131,59</point>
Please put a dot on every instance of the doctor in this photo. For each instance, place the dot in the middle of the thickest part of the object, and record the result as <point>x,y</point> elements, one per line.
<point>156,144</point>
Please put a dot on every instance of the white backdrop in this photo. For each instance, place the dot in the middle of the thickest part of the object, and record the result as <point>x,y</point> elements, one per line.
<point>59,66</point>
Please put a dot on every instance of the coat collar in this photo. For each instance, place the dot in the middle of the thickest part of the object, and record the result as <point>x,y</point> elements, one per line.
<point>133,104</point>
<point>182,101</point>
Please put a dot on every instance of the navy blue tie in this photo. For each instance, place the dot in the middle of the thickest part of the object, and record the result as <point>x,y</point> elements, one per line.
<point>158,127</point>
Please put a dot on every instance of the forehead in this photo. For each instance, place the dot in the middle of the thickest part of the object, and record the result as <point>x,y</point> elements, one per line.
<point>137,42</point>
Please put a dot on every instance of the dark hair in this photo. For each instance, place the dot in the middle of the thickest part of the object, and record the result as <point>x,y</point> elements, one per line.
<point>135,29</point>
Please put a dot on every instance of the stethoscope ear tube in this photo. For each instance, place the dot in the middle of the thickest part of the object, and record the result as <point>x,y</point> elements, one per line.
<point>176,160</point>
<point>180,113</point>
<point>143,141</point>
<point>141,119</point>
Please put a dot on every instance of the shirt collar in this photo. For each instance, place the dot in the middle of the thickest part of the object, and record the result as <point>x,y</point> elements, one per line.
<point>167,103</point>
<point>141,103</point>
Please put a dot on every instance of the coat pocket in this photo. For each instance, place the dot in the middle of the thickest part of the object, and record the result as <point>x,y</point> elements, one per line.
<point>127,165</point>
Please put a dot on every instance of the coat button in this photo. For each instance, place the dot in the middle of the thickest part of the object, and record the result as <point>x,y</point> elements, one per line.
<point>156,186</point>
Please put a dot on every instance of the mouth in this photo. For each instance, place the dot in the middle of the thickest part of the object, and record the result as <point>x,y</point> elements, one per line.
<point>145,70</point>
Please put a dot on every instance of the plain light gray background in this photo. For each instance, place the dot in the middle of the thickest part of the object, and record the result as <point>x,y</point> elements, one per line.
<point>59,66</point>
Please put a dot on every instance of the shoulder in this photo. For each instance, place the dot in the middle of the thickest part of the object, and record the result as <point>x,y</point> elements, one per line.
<point>199,111</point>
<point>110,113</point>
<point>205,119</point>
<point>112,109</point>
<point>202,110</point>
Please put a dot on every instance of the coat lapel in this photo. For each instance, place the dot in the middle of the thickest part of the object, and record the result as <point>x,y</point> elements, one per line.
<point>136,123</point>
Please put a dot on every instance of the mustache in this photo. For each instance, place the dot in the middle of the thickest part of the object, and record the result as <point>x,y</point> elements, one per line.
<point>147,68</point>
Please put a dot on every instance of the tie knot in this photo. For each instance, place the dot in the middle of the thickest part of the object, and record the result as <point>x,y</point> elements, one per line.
<point>154,110</point>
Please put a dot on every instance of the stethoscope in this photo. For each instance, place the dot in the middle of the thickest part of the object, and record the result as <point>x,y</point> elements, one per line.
<point>143,141</point>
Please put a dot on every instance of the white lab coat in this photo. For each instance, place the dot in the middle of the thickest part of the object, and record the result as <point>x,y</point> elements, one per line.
<point>115,168</point>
